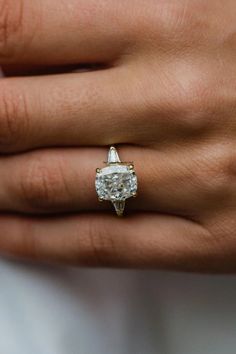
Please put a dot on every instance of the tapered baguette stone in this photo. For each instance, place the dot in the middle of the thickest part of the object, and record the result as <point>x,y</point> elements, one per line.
<point>113,156</point>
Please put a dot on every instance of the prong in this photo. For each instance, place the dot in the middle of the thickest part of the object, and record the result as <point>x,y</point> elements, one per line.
<point>98,170</point>
<point>134,195</point>
<point>100,199</point>
<point>131,166</point>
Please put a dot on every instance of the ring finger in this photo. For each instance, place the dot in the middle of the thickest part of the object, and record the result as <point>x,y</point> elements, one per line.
<point>62,180</point>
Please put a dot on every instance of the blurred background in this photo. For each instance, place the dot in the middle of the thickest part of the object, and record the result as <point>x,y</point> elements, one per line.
<point>57,310</point>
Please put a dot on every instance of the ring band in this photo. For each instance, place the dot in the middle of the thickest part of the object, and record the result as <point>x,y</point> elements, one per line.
<point>116,182</point>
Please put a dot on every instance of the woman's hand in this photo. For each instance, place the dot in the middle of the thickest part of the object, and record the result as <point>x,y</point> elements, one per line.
<point>164,88</point>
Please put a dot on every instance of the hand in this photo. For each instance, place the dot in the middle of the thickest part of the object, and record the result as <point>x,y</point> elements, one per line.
<point>164,91</point>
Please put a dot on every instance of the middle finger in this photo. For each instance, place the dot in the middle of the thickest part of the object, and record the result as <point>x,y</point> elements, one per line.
<point>93,108</point>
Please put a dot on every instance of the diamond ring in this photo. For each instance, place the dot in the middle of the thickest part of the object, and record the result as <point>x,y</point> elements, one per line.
<point>116,182</point>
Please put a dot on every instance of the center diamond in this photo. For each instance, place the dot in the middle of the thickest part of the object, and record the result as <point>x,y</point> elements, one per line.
<point>116,182</point>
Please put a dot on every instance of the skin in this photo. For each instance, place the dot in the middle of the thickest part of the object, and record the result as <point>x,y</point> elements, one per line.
<point>161,85</point>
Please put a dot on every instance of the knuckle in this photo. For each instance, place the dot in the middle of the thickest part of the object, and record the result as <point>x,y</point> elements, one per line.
<point>11,25</point>
<point>193,102</point>
<point>215,174</point>
<point>183,18</point>
<point>42,185</point>
<point>177,23</point>
<point>176,16</point>
<point>189,100</point>
<point>14,118</point>
<point>182,23</point>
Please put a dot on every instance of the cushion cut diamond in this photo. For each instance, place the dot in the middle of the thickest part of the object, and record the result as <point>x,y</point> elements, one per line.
<point>116,182</point>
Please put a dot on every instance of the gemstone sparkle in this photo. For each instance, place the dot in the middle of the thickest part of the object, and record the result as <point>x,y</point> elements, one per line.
<point>116,182</point>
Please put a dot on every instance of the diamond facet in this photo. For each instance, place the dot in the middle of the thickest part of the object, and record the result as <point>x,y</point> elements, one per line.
<point>116,182</point>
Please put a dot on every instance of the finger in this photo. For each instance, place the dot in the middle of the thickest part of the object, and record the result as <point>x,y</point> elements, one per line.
<point>143,240</point>
<point>51,32</point>
<point>92,108</point>
<point>72,109</point>
<point>182,182</point>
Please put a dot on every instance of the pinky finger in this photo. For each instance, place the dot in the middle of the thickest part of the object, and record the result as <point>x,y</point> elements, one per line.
<point>140,240</point>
